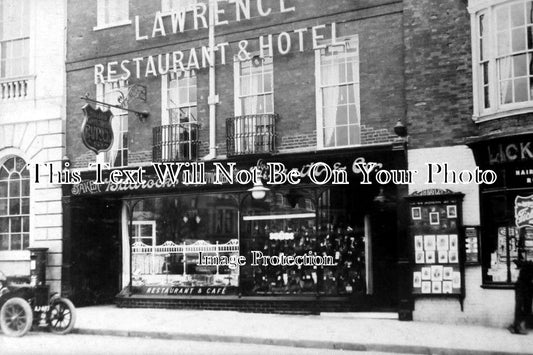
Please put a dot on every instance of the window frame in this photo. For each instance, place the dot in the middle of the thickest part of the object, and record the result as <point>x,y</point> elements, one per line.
<point>27,37</point>
<point>496,110</point>
<point>101,92</point>
<point>100,15</point>
<point>23,216</point>
<point>318,95</point>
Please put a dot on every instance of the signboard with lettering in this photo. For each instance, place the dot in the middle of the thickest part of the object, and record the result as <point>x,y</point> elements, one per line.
<point>523,211</point>
<point>472,245</point>
<point>96,129</point>
<point>185,290</point>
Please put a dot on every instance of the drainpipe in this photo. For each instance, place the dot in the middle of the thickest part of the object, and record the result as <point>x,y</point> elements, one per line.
<point>213,99</point>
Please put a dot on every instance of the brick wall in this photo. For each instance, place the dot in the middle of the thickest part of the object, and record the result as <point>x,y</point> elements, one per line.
<point>377,23</point>
<point>438,73</point>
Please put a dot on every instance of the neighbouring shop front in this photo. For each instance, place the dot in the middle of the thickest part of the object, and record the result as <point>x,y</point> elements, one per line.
<point>180,245</point>
<point>506,207</point>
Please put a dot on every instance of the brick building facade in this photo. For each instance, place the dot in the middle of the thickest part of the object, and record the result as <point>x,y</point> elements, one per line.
<point>352,72</point>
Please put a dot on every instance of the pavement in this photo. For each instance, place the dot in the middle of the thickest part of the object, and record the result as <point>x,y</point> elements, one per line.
<point>347,331</point>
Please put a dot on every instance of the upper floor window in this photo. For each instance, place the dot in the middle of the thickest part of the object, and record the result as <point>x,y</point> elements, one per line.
<point>110,92</point>
<point>173,5</point>
<point>503,57</point>
<point>177,138</point>
<point>113,13</point>
<point>14,205</point>
<point>14,38</point>
<point>338,112</point>
<point>254,86</point>
<point>253,129</point>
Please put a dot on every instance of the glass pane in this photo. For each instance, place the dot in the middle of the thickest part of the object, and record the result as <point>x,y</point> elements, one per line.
<point>269,103</point>
<point>342,115</point>
<point>329,114</point>
<point>15,224</point>
<point>329,96</point>
<point>343,95</point>
<point>342,136</point>
<point>481,25</point>
<point>4,242</point>
<point>25,184</point>
<point>520,65</point>
<point>485,69</point>
<point>146,230</point>
<point>4,225</point>
<point>25,206</point>
<point>529,12</point>
<point>342,72</point>
<point>16,241</point>
<point>505,68</point>
<point>25,241</point>
<point>25,224</point>
<point>351,94</point>
<point>3,188</point>
<point>503,43</point>
<point>502,18</point>
<point>355,134</point>
<point>529,37</point>
<point>14,206</point>
<point>506,92</point>
<point>268,82</point>
<point>352,114</point>
<point>192,93</point>
<point>245,85</point>
<point>14,186</point>
<point>329,137</point>
<point>519,39</point>
<point>517,14</point>
<point>3,207</point>
<point>520,90</point>
<point>4,174</point>
<point>486,96</point>
<point>9,164</point>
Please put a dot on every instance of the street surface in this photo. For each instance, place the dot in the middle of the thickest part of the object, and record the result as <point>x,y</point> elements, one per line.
<point>36,343</point>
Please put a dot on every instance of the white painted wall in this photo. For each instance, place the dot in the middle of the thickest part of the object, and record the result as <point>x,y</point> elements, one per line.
<point>481,306</point>
<point>33,128</point>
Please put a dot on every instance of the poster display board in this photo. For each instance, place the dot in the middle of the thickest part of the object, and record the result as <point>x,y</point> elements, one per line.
<point>437,243</point>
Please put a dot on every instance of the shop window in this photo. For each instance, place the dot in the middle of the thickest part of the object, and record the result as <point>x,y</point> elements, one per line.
<point>173,5</point>
<point>503,56</point>
<point>177,139</point>
<point>111,93</point>
<point>338,110</point>
<point>14,205</point>
<point>172,234</point>
<point>112,13</point>
<point>14,38</point>
<point>503,268</point>
<point>291,224</point>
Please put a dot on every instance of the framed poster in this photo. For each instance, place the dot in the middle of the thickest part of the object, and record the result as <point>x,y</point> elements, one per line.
<point>442,242</point>
<point>420,257</point>
<point>434,218</point>
<point>417,279</point>
<point>416,213</point>
<point>419,242</point>
<point>451,211</point>
<point>426,273</point>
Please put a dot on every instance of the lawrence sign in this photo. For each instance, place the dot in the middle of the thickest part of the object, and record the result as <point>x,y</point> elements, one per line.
<point>96,129</point>
<point>523,211</point>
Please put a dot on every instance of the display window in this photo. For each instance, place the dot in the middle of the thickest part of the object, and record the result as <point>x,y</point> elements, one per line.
<point>171,234</point>
<point>314,226</point>
<point>507,241</point>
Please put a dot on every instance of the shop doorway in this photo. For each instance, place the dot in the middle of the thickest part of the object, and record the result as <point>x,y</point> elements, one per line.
<point>95,252</point>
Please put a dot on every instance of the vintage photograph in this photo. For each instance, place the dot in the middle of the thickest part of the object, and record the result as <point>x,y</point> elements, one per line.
<point>266,176</point>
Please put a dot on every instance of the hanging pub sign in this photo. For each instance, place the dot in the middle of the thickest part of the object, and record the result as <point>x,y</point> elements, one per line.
<point>96,129</point>
<point>523,211</point>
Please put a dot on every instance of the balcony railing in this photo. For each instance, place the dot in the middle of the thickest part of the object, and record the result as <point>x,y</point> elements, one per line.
<point>175,142</point>
<point>251,134</point>
<point>19,88</point>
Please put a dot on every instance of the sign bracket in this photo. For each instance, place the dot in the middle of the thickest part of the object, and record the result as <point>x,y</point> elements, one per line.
<point>141,115</point>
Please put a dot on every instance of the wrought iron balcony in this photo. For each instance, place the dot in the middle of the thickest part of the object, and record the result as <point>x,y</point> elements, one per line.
<point>251,134</point>
<point>175,142</point>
